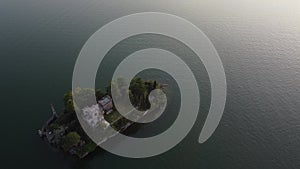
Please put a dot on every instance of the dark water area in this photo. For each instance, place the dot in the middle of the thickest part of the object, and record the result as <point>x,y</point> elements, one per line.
<point>259,44</point>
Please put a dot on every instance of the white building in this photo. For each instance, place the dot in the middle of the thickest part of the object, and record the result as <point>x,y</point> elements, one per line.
<point>94,116</point>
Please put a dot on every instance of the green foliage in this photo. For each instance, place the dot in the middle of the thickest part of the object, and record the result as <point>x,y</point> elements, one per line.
<point>89,147</point>
<point>54,126</point>
<point>85,97</point>
<point>118,87</point>
<point>112,116</point>
<point>70,140</point>
<point>68,102</point>
<point>138,91</point>
<point>65,118</point>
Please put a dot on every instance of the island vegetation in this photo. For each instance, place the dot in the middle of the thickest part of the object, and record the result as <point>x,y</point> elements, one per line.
<point>63,130</point>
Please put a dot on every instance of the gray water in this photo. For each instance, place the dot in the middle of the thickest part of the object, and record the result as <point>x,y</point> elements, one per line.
<point>258,42</point>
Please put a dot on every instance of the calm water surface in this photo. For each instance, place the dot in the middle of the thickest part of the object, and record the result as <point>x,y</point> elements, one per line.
<point>258,42</point>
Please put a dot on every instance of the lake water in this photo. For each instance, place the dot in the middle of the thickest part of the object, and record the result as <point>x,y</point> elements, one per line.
<point>258,42</point>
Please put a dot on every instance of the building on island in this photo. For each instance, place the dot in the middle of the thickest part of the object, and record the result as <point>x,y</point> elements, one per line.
<point>106,103</point>
<point>94,115</point>
<point>55,136</point>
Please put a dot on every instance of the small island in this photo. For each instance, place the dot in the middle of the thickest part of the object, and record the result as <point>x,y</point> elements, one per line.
<point>63,130</point>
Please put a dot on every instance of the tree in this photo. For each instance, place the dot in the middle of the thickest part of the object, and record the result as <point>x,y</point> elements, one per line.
<point>84,97</point>
<point>68,102</point>
<point>115,87</point>
<point>154,85</point>
<point>70,140</point>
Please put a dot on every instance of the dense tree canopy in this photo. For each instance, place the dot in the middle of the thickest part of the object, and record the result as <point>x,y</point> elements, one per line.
<point>70,140</point>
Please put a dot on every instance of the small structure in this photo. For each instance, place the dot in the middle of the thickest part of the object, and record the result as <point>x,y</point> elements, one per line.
<point>94,116</point>
<point>42,132</point>
<point>106,103</point>
<point>55,136</point>
<point>54,111</point>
